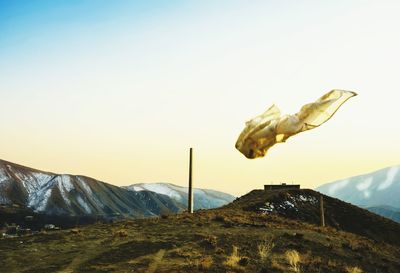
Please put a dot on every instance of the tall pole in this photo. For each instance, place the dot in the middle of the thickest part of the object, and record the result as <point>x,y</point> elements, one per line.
<point>190,197</point>
<point>321,202</point>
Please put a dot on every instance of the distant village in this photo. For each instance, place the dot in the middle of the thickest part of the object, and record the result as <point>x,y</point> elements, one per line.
<point>22,226</point>
<point>13,230</point>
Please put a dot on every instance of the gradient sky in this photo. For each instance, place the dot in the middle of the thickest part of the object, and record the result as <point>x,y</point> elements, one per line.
<point>119,90</point>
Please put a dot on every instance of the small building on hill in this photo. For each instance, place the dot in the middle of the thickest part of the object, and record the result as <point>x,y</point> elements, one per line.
<point>283,186</point>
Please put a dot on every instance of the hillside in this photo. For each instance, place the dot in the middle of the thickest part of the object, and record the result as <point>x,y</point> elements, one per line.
<point>63,194</point>
<point>303,205</point>
<point>236,238</point>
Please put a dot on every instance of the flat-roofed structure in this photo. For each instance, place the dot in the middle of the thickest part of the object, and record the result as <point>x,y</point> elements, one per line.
<point>283,186</point>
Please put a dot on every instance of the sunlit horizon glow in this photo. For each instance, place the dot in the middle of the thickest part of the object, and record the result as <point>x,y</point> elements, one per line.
<point>119,90</point>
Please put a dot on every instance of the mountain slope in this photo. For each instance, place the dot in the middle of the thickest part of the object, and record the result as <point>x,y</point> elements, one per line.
<point>76,195</point>
<point>203,198</point>
<point>303,205</point>
<point>380,188</point>
<point>386,211</point>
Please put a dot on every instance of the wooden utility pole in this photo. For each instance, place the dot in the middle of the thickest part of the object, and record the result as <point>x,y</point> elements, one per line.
<point>190,192</point>
<point>321,203</point>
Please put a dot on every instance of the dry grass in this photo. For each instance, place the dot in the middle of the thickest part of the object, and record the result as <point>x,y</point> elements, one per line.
<point>206,262</point>
<point>277,266</point>
<point>293,258</point>
<point>233,259</point>
<point>265,248</point>
<point>353,269</point>
<point>313,259</point>
<point>193,248</point>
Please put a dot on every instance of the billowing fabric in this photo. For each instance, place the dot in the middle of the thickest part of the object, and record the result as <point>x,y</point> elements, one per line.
<point>269,128</point>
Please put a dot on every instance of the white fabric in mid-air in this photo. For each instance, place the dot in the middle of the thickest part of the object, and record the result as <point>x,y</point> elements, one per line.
<point>269,128</point>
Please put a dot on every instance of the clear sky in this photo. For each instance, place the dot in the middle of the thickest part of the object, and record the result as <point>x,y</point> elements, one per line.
<point>119,90</point>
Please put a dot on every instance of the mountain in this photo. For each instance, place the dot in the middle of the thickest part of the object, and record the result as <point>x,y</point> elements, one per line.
<point>303,205</point>
<point>64,194</point>
<point>259,232</point>
<point>387,211</point>
<point>376,191</point>
<point>378,188</point>
<point>203,198</point>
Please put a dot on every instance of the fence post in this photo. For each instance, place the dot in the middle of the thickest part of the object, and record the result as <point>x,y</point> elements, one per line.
<point>321,202</point>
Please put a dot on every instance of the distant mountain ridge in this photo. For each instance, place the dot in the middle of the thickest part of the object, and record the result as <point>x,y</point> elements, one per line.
<point>376,191</point>
<point>76,195</point>
<point>203,198</point>
<point>378,188</point>
<point>387,211</point>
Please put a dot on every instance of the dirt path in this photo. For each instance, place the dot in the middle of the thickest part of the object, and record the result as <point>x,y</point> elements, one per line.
<point>157,259</point>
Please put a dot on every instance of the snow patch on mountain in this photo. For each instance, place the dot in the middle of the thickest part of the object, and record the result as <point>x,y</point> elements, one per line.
<point>362,186</point>
<point>291,203</point>
<point>3,176</point>
<point>379,188</point>
<point>84,185</point>
<point>59,180</point>
<point>41,178</point>
<point>66,182</point>
<point>33,181</point>
<point>76,195</point>
<point>158,188</point>
<point>203,198</point>
<point>336,187</point>
<point>39,200</point>
<point>391,174</point>
<point>83,205</point>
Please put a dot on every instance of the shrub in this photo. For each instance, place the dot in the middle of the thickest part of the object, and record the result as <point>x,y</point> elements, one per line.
<point>265,248</point>
<point>206,262</point>
<point>293,258</point>
<point>233,259</point>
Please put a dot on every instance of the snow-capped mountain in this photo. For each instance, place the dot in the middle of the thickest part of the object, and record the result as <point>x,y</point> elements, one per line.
<point>203,198</point>
<point>76,195</point>
<point>369,190</point>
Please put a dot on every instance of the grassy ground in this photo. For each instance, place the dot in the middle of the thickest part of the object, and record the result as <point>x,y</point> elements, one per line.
<point>222,240</point>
